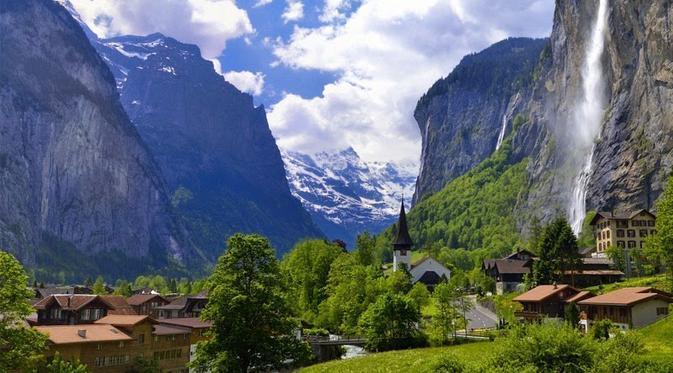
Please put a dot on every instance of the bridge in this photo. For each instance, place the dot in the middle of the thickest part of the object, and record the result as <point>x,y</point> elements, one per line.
<point>327,348</point>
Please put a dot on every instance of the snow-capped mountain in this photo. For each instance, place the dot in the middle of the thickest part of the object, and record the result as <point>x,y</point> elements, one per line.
<point>344,194</point>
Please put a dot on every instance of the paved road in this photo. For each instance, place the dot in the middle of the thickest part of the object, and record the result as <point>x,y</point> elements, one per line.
<point>479,317</point>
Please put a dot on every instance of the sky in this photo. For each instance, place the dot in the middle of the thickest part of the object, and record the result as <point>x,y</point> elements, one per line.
<point>331,73</point>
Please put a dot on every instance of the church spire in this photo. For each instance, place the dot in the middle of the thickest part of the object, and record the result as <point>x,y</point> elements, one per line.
<point>403,240</point>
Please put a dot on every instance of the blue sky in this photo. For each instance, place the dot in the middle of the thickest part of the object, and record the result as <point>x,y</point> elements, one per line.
<point>332,73</point>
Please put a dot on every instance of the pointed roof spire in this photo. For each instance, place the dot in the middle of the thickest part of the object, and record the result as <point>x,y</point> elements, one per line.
<point>403,240</point>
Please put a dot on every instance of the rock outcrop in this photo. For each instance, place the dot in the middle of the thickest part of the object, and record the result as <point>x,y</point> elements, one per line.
<point>461,117</point>
<point>214,147</point>
<point>633,153</point>
<point>75,178</point>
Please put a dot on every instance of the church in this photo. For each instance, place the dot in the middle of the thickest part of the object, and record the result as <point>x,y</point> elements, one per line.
<point>428,270</point>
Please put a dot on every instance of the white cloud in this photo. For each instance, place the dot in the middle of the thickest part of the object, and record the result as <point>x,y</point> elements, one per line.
<point>207,23</point>
<point>246,81</point>
<point>261,3</point>
<point>333,10</point>
<point>387,53</point>
<point>294,11</point>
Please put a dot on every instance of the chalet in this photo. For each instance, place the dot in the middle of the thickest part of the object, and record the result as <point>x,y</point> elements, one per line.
<point>627,231</point>
<point>184,306</point>
<point>115,342</point>
<point>509,272</point>
<point>71,309</point>
<point>428,270</point>
<point>147,304</point>
<point>196,326</point>
<point>628,307</point>
<point>547,301</point>
<point>594,271</point>
<point>41,293</point>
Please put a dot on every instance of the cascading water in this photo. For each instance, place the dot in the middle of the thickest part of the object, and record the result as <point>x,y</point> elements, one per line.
<point>588,115</point>
<point>501,136</point>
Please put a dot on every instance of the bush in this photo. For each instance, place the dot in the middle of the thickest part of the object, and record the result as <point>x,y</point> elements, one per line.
<point>448,363</point>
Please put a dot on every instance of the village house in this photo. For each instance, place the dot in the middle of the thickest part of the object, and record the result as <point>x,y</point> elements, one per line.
<point>509,272</point>
<point>626,231</point>
<point>428,270</point>
<point>71,309</point>
<point>184,306</point>
<point>627,308</point>
<point>594,271</point>
<point>548,301</point>
<point>115,343</point>
<point>147,304</point>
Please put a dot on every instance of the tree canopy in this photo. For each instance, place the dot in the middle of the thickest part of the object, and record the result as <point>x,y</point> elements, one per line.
<point>558,252</point>
<point>252,327</point>
<point>21,346</point>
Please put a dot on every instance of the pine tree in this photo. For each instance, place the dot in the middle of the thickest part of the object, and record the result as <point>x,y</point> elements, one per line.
<point>558,253</point>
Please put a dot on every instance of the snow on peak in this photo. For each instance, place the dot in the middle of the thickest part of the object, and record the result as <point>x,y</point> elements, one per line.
<point>348,192</point>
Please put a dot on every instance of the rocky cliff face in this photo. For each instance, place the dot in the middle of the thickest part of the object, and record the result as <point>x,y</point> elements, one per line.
<point>465,116</point>
<point>75,178</point>
<point>215,148</point>
<point>632,155</point>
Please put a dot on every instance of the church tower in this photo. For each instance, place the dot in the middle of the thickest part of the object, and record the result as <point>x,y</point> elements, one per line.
<point>403,243</point>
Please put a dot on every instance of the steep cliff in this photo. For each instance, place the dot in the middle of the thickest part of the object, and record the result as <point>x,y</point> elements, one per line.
<point>78,186</point>
<point>628,159</point>
<point>464,117</point>
<point>223,168</point>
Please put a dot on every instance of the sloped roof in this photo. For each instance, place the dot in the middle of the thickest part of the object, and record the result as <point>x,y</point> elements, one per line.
<point>403,238</point>
<point>579,296</point>
<point>162,329</point>
<point>177,304</point>
<point>138,299</point>
<point>118,304</point>
<point>542,292</point>
<point>123,320</point>
<point>511,266</point>
<point>93,333</point>
<point>189,322</point>
<point>514,255</point>
<point>627,297</point>
<point>67,302</point>
<point>619,216</point>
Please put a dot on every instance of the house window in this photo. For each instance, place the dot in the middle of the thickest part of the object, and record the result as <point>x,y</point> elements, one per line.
<point>141,339</point>
<point>621,244</point>
<point>650,223</point>
<point>620,233</point>
<point>608,232</point>
<point>642,244</point>
<point>403,253</point>
<point>632,244</point>
<point>631,233</point>
<point>662,311</point>
<point>99,347</point>
<point>635,223</point>
<point>643,233</point>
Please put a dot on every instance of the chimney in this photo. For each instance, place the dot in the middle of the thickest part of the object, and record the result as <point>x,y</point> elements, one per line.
<point>81,333</point>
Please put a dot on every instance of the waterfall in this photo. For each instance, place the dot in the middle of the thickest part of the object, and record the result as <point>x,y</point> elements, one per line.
<point>588,115</point>
<point>501,136</point>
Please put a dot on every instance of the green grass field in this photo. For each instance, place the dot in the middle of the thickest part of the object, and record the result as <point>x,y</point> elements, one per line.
<point>417,360</point>
<point>658,339</point>
<point>658,281</point>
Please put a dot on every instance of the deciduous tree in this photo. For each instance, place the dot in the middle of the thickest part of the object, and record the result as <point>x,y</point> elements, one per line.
<point>20,347</point>
<point>252,327</point>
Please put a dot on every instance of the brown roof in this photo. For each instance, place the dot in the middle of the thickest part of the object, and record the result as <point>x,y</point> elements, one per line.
<point>176,304</point>
<point>169,330</point>
<point>541,292</point>
<point>579,296</point>
<point>619,216</point>
<point>123,320</point>
<point>66,334</point>
<point>118,304</point>
<point>189,322</point>
<point>138,299</point>
<point>512,266</point>
<point>66,302</point>
<point>627,297</point>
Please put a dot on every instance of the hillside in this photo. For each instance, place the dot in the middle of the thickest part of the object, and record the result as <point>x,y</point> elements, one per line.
<point>603,145</point>
<point>223,169</point>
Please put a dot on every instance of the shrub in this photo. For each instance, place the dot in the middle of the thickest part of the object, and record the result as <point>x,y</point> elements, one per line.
<point>448,363</point>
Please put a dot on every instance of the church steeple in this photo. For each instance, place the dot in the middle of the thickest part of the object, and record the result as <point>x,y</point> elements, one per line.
<point>403,243</point>
<point>403,240</point>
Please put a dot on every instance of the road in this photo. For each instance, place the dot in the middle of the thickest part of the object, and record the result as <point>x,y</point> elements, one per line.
<point>479,317</point>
